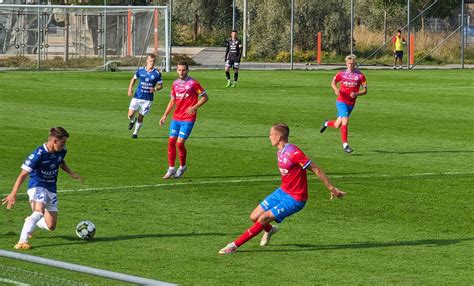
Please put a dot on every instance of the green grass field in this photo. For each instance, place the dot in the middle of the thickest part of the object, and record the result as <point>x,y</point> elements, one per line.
<point>407,218</point>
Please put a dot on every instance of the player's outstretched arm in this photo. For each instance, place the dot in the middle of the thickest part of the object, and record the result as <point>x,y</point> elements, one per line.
<point>130,86</point>
<point>11,198</point>
<point>334,87</point>
<point>68,170</point>
<point>167,111</point>
<point>335,192</point>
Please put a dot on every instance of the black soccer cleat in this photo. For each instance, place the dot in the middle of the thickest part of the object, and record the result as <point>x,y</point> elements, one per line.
<point>323,128</point>
<point>348,149</point>
<point>134,136</point>
<point>132,123</point>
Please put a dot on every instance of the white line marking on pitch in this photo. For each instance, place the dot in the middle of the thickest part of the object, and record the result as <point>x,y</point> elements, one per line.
<point>13,282</point>
<point>250,180</point>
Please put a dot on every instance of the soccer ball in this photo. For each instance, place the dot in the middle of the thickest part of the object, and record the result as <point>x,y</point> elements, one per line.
<point>85,230</point>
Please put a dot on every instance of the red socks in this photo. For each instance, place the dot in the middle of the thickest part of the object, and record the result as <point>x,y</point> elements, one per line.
<point>255,229</point>
<point>171,151</point>
<point>344,133</point>
<point>182,153</point>
<point>331,123</point>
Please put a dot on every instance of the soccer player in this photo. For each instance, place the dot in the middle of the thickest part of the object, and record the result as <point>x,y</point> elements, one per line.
<point>187,95</point>
<point>290,197</point>
<point>350,81</point>
<point>233,53</point>
<point>42,166</point>
<point>150,81</point>
<point>398,42</point>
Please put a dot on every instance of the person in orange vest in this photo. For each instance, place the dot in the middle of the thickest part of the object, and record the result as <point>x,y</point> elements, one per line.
<point>398,44</point>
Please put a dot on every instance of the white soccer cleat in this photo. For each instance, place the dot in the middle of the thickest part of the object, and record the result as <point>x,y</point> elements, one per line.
<point>169,174</point>
<point>229,249</point>
<point>180,172</point>
<point>267,235</point>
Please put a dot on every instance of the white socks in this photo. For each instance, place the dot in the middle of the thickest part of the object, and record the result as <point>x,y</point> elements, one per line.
<point>138,125</point>
<point>344,145</point>
<point>29,226</point>
<point>42,224</point>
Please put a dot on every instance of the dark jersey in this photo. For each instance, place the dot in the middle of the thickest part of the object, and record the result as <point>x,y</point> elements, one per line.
<point>233,50</point>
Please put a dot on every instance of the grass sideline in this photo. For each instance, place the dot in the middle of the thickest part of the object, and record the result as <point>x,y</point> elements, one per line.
<point>392,228</point>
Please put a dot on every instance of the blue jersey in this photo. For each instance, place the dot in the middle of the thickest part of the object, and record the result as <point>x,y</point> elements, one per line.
<point>147,81</point>
<point>43,168</point>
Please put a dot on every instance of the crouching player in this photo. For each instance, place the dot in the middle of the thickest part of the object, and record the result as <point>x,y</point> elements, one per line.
<point>290,197</point>
<point>42,166</point>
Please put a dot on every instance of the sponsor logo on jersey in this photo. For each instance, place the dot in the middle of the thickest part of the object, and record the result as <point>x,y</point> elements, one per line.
<point>31,156</point>
<point>27,162</point>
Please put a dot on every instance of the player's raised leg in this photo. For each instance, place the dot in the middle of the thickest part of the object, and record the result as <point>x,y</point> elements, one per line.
<point>263,222</point>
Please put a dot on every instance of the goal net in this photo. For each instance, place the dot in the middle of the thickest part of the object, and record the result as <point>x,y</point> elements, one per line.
<point>82,37</point>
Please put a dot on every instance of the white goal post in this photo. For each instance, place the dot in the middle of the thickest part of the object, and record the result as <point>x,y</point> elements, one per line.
<point>71,32</point>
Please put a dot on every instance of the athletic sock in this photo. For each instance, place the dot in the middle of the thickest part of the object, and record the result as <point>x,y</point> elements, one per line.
<point>227,75</point>
<point>236,76</point>
<point>137,127</point>
<point>255,229</point>
<point>182,153</point>
<point>331,123</point>
<point>344,133</point>
<point>42,224</point>
<point>267,227</point>
<point>29,226</point>
<point>171,151</point>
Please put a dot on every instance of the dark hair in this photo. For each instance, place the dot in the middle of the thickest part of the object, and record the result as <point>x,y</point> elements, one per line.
<point>58,133</point>
<point>283,129</point>
<point>399,31</point>
<point>183,64</point>
<point>153,56</point>
<point>233,31</point>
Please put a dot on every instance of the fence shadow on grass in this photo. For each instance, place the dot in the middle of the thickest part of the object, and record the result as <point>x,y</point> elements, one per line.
<point>104,239</point>
<point>423,152</point>
<point>361,245</point>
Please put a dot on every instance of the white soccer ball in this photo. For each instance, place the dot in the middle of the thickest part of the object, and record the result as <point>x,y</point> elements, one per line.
<point>85,230</point>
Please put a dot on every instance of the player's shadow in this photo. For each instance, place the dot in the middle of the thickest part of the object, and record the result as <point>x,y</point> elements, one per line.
<point>362,245</point>
<point>104,239</point>
<point>423,152</point>
<point>210,137</point>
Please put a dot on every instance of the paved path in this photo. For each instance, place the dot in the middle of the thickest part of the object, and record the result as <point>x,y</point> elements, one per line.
<point>213,58</point>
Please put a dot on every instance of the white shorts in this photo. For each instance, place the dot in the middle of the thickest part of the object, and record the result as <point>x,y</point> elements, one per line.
<point>42,195</point>
<point>143,106</point>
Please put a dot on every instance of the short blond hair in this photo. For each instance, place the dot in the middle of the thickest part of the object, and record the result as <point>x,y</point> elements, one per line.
<point>283,129</point>
<point>351,57</point>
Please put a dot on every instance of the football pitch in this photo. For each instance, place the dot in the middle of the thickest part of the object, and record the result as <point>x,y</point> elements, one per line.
<point>407,218</point>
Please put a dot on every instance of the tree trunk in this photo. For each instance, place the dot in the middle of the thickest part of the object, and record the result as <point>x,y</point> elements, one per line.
<point>384,26</point>
<point>196,27</point>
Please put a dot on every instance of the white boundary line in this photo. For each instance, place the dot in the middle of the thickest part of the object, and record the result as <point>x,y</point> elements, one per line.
<point>13,282</point>
<point>250,180</point>
<point>83,269</point>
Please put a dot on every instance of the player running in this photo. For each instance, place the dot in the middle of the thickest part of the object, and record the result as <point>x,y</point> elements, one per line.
<point>233,53</point>
<point>42,166</point>
<point>350,80</point>
<point>290,197</point>
<point>187,95</point>
<point>150,81</point>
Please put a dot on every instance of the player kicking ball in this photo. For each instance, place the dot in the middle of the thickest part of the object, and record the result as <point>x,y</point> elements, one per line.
<point>290,197</point>
<point>350,81</point>
<point>43,167</point>
<point>150,81</point>
<point>187,95</point>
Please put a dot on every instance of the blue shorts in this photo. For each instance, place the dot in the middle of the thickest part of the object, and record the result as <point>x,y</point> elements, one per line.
<point>181,129</point>
<point>344,109</point>
<point>281,204</point>
<point>398,54</point>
